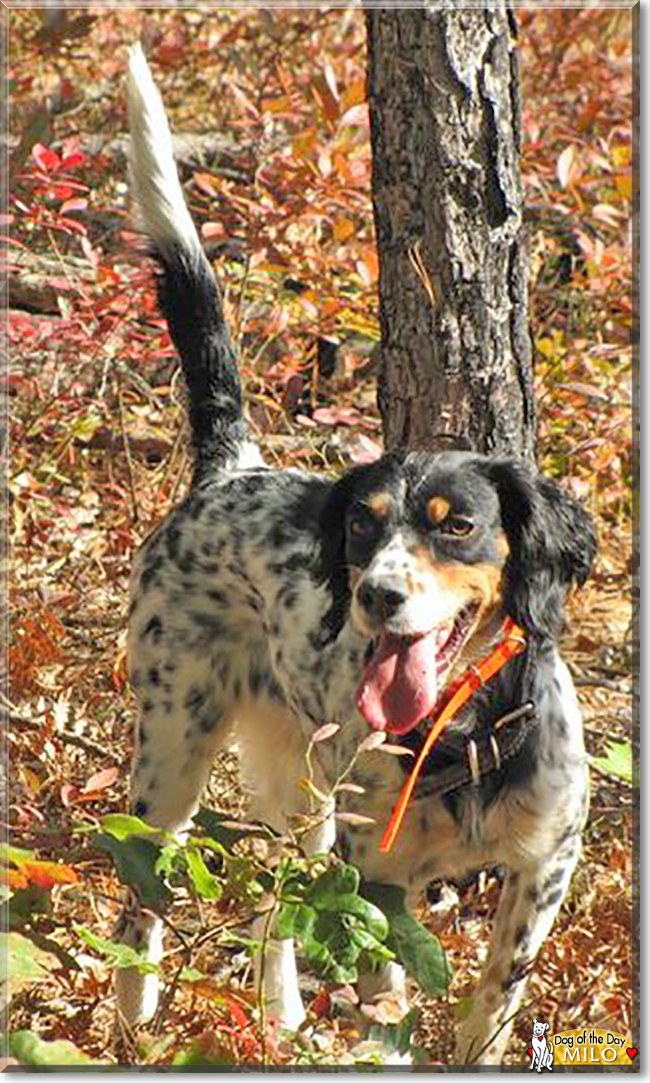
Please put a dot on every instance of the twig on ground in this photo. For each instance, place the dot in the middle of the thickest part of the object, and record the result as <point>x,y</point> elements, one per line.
<point>600,682</point>
<point>127,449</point>
<point>74,739</point>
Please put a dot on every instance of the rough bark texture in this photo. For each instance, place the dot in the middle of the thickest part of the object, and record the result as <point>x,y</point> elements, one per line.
<point>444,112</point>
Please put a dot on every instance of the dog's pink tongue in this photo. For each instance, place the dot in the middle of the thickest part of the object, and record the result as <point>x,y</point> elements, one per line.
<point>399,686</point>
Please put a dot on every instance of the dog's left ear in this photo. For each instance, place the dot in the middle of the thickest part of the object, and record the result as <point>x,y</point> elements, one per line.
<point>552,544</point>
<point>332,518</point>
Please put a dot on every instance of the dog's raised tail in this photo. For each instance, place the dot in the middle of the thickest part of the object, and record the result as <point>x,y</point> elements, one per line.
<point>187,289</point>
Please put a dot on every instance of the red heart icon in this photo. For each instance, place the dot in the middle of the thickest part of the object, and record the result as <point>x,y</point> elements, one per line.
<point>530,1052</point>
<point>631,1053</point>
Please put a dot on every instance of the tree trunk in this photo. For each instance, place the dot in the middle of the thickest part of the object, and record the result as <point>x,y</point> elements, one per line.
<point>444,110</point>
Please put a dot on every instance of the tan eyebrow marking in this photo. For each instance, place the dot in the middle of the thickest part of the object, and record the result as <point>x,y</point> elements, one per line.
<point>438,509</point>
<point>380,504</point>
<point>502,545</point>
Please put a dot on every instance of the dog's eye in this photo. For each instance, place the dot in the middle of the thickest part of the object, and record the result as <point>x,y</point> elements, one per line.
<point>457,526</point>
<point>362,526</point>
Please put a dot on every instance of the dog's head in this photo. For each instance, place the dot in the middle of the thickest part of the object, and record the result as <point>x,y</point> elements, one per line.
<point>539,1029</point>
<point>436,550</point>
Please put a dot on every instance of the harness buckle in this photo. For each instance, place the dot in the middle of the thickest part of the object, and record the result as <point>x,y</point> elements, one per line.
<point>495,751</point>
<point>472,756</point>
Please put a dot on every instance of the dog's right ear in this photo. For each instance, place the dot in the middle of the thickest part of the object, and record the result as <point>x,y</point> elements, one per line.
<point>333,562</point>
<point>357,482</point>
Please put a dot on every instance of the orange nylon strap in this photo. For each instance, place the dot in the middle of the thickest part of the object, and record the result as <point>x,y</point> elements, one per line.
<point>513,642</point>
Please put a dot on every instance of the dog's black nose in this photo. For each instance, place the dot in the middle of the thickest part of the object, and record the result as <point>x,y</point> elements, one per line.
<point>380,600</point>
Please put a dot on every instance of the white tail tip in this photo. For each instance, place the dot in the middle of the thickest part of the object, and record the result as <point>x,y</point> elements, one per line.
<point>160,206</point>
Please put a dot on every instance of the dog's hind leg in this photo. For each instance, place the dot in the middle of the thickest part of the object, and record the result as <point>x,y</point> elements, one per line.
<point>165,794</point>
<point>530,900</point>
<point>181,726</point>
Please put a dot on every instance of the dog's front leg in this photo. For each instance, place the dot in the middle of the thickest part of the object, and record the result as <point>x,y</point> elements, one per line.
<point>530,900</point>
<point>276,973</point>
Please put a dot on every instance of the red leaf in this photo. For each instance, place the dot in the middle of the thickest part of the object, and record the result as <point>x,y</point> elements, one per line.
<point>321,1005</point>
<point>363,449</point>
<point>69,794</point>
<point>356,116</point>
<point>73,160</point>
<point>337,415</point>
<point>101,780</point>
<point>45,158</point>
<point>323,732</point>
<point>565,165</point>
<point>372,741</point>
<point>46,873</point>
<point>61,191</point>
<point>68,225</point>
<point>16,878</point>
<point>212,230</point>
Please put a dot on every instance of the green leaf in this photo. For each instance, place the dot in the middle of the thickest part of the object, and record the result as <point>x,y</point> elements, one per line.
<point>191,974</point>
<point>617,761</point>
<point>333,924</point>
<point>420,953</point>
<point>135,862</point>
<point>205,883</point>
<point>15,854</point>
<point>212,823</point>
<point>395,1037</point>
<point>365,911</point>
<point>23,905</point>
<point>116,955</point>
<point>203,1052</point>
<point>26,963</point>
<point>341,879</point>
<point>28,1048</point>
<point>170,860</point>
<point>295,920</point>
<point>121,826</point>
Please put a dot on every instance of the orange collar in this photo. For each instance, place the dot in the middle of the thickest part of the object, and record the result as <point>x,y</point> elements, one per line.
<point>512,643</point>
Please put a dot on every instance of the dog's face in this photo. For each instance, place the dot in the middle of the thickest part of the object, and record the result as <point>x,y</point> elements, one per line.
<point>539,1029</point>
<point>436,550</point>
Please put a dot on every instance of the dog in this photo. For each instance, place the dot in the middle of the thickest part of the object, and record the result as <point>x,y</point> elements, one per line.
<point>542,1050</point>
<point>271,602</point>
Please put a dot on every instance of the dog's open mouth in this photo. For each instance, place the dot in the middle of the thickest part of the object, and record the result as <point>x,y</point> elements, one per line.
<point>401,681</point>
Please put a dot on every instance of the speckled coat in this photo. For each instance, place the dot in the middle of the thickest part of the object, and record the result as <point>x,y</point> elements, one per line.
<point>257,604</point>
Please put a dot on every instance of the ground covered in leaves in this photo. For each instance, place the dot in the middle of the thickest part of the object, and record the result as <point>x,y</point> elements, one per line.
<point>275,156</point>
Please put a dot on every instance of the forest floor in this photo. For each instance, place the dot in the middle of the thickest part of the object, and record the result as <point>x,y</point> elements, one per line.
<point>98,454</point>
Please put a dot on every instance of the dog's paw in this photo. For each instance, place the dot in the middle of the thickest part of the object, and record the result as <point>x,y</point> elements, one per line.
<point>137,996</point>
<point>278,978</point>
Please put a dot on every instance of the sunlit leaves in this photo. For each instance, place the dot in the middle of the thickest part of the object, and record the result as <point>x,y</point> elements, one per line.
<point>617,761</point>
<point>417,949</point>
<point>333,923</point>
<point>20,869</point>
<point>29,1049</point>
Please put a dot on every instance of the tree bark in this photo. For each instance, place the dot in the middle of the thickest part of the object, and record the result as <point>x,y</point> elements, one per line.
<point>444,111</point>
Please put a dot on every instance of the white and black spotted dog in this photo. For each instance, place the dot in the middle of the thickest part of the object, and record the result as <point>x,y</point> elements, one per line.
<point>270,602</point>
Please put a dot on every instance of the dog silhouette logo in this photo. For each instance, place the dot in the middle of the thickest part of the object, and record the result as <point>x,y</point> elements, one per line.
<point>541,1051</point>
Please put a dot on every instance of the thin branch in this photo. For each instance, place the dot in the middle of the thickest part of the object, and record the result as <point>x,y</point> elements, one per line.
<point>74,739</point>
<point>600,682</point>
